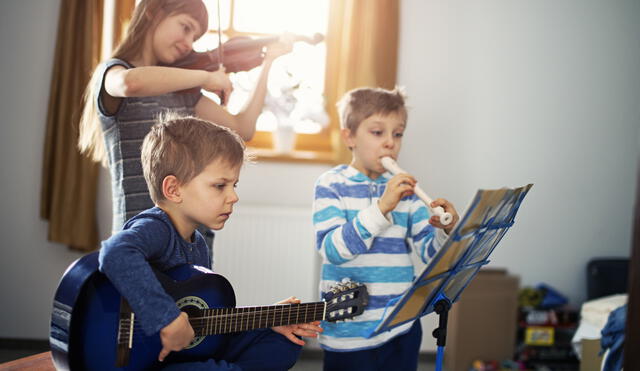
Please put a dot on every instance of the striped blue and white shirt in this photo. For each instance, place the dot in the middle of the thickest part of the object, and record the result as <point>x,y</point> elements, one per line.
<point>357,242</point>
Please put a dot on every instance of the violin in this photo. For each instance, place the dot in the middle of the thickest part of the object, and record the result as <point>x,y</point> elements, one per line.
<point>240,53</point>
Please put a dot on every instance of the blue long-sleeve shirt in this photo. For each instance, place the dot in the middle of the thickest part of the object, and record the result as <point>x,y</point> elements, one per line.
<point>359,243</point>
<point>149,239</point>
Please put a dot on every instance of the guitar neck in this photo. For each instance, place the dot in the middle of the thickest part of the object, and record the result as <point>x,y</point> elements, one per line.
<point>227,320</point>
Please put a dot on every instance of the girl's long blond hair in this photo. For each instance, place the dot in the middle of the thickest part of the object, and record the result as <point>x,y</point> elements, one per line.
<point>146,16</point>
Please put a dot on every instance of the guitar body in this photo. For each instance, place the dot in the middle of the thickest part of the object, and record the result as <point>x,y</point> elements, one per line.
<point>87,310</point>
<point>91,324</point>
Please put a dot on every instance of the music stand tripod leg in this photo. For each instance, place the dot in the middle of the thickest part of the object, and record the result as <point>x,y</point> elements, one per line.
<point>441,307</point>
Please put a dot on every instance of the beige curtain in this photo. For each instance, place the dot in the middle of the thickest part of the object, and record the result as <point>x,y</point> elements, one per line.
<point>69,179</point>
<point>122,14</point>
<point>362,50</point>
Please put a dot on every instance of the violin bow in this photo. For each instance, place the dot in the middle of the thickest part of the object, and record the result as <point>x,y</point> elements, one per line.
<point>220,53</point>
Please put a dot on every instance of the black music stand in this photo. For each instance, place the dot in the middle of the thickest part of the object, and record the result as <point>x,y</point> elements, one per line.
<point>466,250</point>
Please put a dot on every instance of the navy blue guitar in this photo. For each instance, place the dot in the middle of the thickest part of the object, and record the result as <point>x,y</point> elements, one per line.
<point>93,327</point>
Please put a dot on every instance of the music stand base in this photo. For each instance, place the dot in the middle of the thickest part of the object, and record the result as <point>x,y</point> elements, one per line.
<point>441,308</point>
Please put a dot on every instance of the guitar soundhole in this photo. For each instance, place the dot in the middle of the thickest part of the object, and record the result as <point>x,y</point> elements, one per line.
<point>191,311</point>
<point>193,306</point>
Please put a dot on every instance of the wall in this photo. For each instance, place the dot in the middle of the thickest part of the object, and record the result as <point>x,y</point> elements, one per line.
<point>506,93</point>
<point>503,93</point>
<point>30,265</point>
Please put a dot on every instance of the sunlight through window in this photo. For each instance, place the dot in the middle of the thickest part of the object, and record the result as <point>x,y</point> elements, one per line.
<point>296,80</point>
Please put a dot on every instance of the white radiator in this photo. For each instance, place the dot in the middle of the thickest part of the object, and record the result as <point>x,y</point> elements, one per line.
<point>268,254</point>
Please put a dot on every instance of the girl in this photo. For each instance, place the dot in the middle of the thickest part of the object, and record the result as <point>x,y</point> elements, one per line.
<point>129,91</point>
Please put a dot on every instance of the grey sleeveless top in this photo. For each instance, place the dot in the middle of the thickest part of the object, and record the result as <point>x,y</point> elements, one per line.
<point>124,132</point>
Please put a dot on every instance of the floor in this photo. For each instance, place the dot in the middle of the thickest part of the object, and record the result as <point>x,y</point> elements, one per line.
<point>309,360</point>
<point>312,361</point>
<point>7,355</point>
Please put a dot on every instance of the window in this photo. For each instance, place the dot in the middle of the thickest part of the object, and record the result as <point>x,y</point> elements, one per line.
<point>294,107</point>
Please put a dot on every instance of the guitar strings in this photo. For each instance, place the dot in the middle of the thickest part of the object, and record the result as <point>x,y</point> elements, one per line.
<point>257,312</point>
<point>239,312</point>
<point>222,328</point>
<point>235,320</point>
<point>243,319</point>
<point>216,321</point>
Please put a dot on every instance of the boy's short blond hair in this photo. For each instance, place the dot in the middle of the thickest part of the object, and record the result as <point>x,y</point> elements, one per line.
<point>359,104</point>
<point>183,147</point>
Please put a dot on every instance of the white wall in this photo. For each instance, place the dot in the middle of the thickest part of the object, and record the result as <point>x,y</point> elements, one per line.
<point>514,92</point>
<point>30,265</point>
<point>506,93</point>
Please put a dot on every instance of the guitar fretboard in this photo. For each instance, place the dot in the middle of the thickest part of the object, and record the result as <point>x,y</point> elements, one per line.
<point>227,320</point>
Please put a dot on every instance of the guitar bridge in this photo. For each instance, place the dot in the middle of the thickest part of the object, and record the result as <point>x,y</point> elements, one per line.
<point>125,333</point>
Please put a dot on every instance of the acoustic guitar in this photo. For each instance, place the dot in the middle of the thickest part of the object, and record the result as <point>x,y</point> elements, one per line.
<point>93,327</point>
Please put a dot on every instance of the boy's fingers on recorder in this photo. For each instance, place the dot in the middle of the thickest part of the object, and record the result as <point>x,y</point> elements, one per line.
<point>434,220</point>
<point>440,202</point>
<point>446,206</point>
<point>404,190</point>
<point>407,193</point>
<point>403,178</point>
<point>400,186</point>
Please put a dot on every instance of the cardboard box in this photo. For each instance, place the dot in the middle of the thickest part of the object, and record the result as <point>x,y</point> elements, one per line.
<point>482,324</point>
<point>589,359</point>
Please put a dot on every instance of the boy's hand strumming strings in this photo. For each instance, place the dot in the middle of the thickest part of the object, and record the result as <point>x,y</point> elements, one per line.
<point>310,330</point>
<point>176,335</point>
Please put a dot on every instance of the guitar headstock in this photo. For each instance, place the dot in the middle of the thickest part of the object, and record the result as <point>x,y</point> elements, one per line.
<point>345,300</point>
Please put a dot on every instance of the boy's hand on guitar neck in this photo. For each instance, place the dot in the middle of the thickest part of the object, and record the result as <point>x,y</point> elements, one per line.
<point>310,330</point>
<point>176,335</point>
